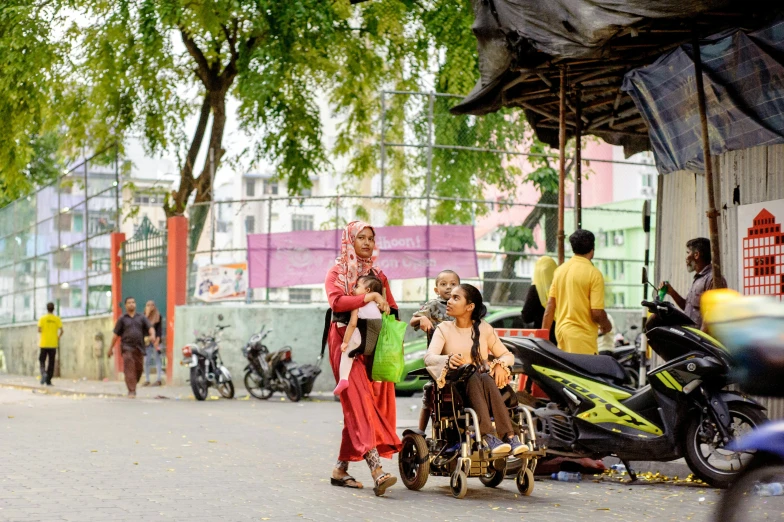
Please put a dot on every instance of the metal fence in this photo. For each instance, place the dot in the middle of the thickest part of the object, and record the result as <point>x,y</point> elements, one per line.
<point>619,233</point>
<point>55,244</point>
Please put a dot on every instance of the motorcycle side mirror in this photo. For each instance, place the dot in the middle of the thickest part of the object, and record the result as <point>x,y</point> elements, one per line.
<point>220,317</point>
<point>644,275</point>
<point>633,327</point>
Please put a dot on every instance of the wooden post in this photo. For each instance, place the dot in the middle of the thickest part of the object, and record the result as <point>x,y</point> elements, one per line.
<point>713,214</point>
<point>578,163</point>
<point>561,165</point>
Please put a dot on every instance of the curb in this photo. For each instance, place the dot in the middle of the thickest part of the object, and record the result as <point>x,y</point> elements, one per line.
<point>60,391</point>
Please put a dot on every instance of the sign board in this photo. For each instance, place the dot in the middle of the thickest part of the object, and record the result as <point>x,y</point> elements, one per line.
<point>222,282</point>
<point>760,244</point>
<point>304,257</point>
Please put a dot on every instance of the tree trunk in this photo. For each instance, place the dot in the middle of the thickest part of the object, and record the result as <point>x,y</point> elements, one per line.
<point>200,209</point>
<point>502,288</point>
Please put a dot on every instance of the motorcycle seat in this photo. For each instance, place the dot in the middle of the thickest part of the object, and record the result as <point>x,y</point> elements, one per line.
<point>600,365</point>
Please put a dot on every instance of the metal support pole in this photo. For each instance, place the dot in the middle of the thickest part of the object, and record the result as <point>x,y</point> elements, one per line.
<point>561,165</point>
<point>269,246</point>
<point>643,350</point>
<point>383,140</point>
<point>85,224</point>
<point>117,191</point>
<point>713,214</point>
<point>578,163</point>
<point>429,188</point>
<point>35,257</point>
<point>59,251</point>
<point>212,202</point>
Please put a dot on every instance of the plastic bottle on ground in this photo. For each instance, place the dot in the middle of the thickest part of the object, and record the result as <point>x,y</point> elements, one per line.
<point>620,468</point>
<point>566,476</point>
<point>773,489</point>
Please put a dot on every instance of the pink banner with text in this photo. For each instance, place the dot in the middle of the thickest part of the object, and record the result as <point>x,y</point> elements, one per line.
<point>304,257</point>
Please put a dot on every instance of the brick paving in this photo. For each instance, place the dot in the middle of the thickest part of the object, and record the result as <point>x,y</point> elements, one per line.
<point>73,456</point>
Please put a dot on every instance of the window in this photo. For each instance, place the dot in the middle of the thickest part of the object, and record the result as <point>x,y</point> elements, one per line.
<point>98,223</point>
<point>76,297</point>
<point>250,224</point>
<point>647,180</point>
<point>78,223</point>
<point>141,199</point>
<point>63,222</point>
<point>27,301</point>
<point>222,226</point>
<point>77,260</point>
<point>250,188</point>
<point>161,224</point>
<point>62,259</point>
<point>301,222</point>
<point>270,187</point>
<point>300,295</point>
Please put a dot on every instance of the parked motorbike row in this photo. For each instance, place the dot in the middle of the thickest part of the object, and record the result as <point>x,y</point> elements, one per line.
<point>266,373</point>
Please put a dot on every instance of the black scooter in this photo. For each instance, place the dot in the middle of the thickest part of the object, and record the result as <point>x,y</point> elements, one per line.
<point>268,372</point>
<point>685,411</point>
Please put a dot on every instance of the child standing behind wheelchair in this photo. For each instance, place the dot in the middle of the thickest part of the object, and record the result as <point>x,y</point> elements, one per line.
<point>428,318</point>
<point>470,340</point>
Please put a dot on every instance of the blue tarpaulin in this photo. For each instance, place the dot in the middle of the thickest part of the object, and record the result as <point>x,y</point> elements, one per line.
<point>744,90</point>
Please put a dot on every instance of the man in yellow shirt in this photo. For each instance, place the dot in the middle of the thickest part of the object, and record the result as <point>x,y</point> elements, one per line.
<point>577,299</point>
<point>51,329</point>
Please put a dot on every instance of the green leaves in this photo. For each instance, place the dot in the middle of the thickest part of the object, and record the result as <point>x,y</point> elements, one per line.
<point>517,238</point>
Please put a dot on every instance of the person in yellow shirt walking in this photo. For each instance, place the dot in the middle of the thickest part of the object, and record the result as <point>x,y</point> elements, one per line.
<point>577,299</point>
<point>51,329</point>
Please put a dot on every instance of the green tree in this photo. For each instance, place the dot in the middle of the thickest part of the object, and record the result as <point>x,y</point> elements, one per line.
<point>32,84</point>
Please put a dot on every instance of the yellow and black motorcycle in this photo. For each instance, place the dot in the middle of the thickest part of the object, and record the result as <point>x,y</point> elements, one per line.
<point>685,411</point>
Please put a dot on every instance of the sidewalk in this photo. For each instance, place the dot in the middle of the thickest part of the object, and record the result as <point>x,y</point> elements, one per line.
<point>96,388</point>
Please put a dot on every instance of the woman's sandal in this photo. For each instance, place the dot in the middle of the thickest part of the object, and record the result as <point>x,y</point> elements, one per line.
<point>346,482</point>
<point>382,483</point>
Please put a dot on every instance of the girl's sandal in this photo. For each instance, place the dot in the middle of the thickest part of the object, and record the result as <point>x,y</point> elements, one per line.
<point>346,482</point>
<point>383,482</point>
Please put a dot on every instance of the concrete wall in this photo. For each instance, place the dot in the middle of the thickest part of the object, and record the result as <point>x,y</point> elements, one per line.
<point>300,327</point>
<point>76,356</point>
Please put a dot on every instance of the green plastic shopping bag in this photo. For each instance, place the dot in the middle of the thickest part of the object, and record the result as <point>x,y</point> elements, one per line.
<point>388,358</point>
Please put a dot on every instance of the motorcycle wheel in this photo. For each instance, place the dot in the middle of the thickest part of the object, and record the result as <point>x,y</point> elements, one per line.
<point>293,388</point>
<point>226,389</point>
<point>702,441</point>
<point>255,388</point>
<point>742,501</point>
<point>199,383</point>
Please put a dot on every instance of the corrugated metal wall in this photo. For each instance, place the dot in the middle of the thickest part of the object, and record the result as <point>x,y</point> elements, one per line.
<point>750,176</point>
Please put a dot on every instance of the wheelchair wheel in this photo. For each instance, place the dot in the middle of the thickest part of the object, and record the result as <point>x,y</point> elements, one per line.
<point>414,461</point>
<point>525,482</point>
<point>495,473</point>
<point>458,483</point>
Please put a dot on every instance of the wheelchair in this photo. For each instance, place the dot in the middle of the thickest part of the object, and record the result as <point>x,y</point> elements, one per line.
<point>454,425</point>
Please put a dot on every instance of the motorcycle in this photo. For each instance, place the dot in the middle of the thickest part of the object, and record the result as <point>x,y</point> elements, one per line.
<point>628,357</point>
<point>268,372</point>
<point>206,365</point>
<point>685,411</point>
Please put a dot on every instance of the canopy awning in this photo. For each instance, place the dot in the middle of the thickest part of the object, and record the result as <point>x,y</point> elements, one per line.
<point>524,44</point>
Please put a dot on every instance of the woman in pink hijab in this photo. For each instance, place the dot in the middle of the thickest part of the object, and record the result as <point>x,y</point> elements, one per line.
<point>369,412</point>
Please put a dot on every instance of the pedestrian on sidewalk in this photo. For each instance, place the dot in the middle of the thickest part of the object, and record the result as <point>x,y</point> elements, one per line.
<point>698,262</point>
<point>369,410</point>
<point>577,299</point>
<point>538,294</point>
<point>51,329</point>
<point>131,329</point>
<point>153,352</point>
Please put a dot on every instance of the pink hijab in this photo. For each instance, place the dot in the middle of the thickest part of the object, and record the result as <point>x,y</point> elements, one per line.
<point>350,266</point>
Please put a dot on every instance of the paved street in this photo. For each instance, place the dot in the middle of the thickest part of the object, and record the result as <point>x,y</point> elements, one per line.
<point>82,457</point>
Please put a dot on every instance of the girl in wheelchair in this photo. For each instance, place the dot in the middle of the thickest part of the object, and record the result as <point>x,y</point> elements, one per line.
<point>470,340</point>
